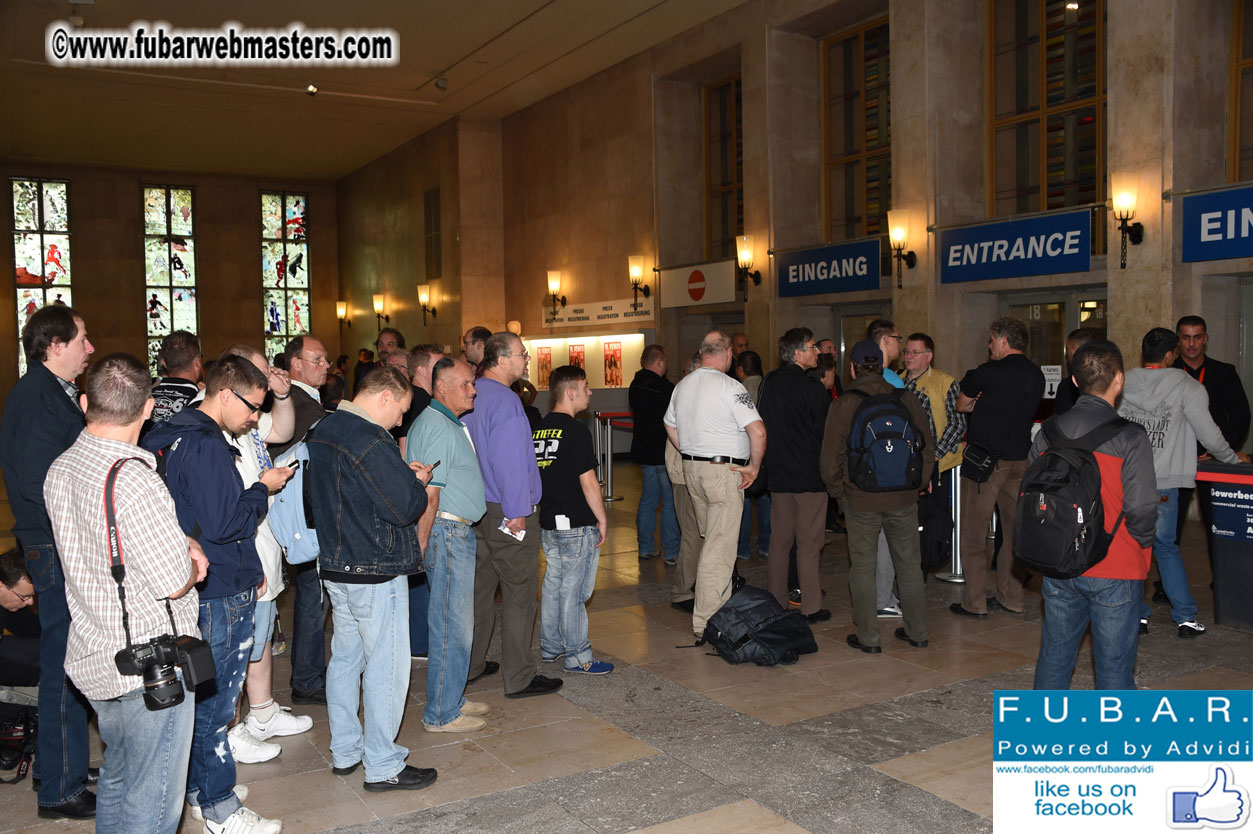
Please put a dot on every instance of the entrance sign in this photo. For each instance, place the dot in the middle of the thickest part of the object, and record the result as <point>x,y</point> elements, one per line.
<point>839,267</point>
<point>707,283</point>
<point>1052,379</point>
<point>1218,225</point>
<point>1045,244</point>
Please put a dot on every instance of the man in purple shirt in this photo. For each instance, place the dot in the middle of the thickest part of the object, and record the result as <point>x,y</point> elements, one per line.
<point>508,536</point>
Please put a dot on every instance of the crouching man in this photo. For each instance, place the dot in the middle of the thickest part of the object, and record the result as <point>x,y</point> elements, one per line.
<point>146,748</point>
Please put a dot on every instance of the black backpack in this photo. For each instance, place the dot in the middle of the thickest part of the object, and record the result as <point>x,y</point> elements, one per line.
<point>884,445</point>
<point>752,626</point>
<point>1059,529</point>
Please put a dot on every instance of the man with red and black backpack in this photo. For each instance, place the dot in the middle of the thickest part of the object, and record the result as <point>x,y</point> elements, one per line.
<point>1108,594</point>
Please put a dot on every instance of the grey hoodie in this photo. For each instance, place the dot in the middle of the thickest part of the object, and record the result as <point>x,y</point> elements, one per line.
<point>1174,410</point>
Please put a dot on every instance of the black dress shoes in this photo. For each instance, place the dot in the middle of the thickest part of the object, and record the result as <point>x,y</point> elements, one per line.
<point>917,644</point>
<point>539,685</point>
<point>81,807</point>
<point>819,616</point>
<point>410,778</point>
<point>312,696</point>
<point>956,608</point>
<point>490,667</point>
<point>93,777</point>
<point>684,605</point>
<point>857,644</point>
<point>344,771</point>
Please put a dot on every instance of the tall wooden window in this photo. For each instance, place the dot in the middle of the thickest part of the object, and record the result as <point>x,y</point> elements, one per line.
<point>1241,162</point>
<point>858,131</point>
<point>41,249</point>
<point>1047,102</point>
<point>431,233</point>
<point>169,266</point>
<point>724,167</point>
<point>284,268</point>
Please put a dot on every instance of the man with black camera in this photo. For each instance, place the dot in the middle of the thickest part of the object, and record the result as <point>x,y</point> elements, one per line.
<point>111,655</point>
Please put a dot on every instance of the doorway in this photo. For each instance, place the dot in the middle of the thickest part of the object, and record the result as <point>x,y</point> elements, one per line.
<point>1051,315</point>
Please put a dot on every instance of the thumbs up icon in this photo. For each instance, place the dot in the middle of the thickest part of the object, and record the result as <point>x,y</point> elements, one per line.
<point>1222,804</point>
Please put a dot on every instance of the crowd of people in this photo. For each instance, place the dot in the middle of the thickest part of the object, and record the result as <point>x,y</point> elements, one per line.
<point>143,516</point>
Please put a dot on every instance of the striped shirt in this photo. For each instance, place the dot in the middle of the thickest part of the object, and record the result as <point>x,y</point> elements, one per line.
<point>153,546</point>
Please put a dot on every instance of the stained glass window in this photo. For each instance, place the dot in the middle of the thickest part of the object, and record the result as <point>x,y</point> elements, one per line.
<point>41,249</point>
<point>284,268</point>
<point>169,266</point>
<point>1241,163</point>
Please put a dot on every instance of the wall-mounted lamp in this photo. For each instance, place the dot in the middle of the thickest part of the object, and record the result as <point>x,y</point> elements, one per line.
<point>554,287</point>
<point>744,259</point>
<point>635,271</point>
<point>1123,187</point>
<point>341,313</point>
<point>424,301</point>
<point>898,238</point>
<point>378,312</point>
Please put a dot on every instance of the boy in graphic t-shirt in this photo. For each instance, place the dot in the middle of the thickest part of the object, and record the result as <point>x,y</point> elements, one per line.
<point>572,524</point>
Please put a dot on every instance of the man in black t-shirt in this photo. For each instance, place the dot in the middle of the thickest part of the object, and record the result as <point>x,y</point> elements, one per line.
<point>572,524</point>
<point>179,361</point>
<point>1001,397</point>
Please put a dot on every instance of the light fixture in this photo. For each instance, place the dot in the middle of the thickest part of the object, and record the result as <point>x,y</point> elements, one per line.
<point>635,271</point>
<point>424,300</point>
<point>1124,186</point>
<point>378,312</point>
<point>441,83</point>
<point>341,313</point>
<point>514,326</point>
<point>898,239</point>
<point>744,259</point>
<point>312,89</point>
<point>1072,7</point>
<point>554,287</point>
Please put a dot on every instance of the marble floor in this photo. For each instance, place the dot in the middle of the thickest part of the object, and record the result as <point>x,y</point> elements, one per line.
<point>676,741</point>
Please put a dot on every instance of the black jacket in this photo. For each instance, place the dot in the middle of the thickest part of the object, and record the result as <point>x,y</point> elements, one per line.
<point>650,397</point>
<point>308,411</point>
<point>793,406</point>
<point>1227,403</point>
<point>40,422</point>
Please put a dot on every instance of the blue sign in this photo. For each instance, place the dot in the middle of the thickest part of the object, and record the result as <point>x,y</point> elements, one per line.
<point>1231,511</point>
<point>840,267</point>
<point>1218,225</point>
<point>1047,244</point>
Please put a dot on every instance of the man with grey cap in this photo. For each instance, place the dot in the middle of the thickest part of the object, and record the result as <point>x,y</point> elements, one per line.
<point>895,511</point>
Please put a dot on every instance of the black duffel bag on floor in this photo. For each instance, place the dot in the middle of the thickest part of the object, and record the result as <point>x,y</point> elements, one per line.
<point>752,626</point>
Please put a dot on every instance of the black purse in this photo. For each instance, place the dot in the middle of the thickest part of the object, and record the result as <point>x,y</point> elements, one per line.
<point>978,463</point>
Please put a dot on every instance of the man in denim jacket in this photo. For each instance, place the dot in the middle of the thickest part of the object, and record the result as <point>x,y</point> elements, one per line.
<point>366,503</point>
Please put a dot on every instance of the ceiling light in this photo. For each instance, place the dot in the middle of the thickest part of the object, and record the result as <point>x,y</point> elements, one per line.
<point>1072,7</point>
<point>312,89</point>
<point>441,83</point>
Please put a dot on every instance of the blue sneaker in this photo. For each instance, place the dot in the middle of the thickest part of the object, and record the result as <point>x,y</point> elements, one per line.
<point>592,667</point>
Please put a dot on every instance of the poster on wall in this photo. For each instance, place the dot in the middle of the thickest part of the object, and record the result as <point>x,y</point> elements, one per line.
<point>543,367</point>
<point>576,356</point>
<point>613,364</point>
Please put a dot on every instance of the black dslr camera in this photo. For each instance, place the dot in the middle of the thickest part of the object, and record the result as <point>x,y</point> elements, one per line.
<point>156,659</point>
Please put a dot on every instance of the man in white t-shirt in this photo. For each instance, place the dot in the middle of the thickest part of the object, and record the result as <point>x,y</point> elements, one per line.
<point>714,424</point>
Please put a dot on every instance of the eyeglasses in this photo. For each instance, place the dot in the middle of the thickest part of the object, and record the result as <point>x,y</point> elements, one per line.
<point>25,598</point>
<point>897,338</point>
<point>524,354</point>
<point>315,360</point>
<point>252,409</point>
<point>916,352</point>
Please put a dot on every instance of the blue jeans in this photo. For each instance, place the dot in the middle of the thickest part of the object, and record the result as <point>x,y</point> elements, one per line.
<point>571,556</point>
<point>371,637</point>
<point>1170,561</point>
<point>308,631</point>
<point>419,602</point>
<point>450,561</point>
<point>61,746</point>
<point>226,624</point>
<point>657,490</point>
<point>1112,606</point>
<point>763,525</point>
<point>144,775</point>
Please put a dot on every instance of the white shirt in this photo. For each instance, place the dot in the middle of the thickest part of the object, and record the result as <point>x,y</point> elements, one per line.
<point>710,411</point>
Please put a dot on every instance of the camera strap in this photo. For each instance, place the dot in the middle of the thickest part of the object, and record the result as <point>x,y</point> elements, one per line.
<point>117,562</point>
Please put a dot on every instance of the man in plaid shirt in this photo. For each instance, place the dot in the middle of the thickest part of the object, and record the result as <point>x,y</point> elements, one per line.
<point>146,751</point>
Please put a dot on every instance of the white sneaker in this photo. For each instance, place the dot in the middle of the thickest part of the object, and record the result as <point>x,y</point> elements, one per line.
<point>244,821</point>
<point>1191,629</point>
<point>281,723</point>
<point>248,749</point>
<point>241,791</point>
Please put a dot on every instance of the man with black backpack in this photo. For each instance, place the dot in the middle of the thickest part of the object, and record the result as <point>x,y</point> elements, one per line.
<point>877,452</point>
<point>1109,592</point>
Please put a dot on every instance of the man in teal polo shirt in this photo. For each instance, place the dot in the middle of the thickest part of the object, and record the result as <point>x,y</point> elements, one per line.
<point>455,501</point>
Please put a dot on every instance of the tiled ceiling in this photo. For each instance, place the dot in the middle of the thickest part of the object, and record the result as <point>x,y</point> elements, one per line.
<point>498,56</point>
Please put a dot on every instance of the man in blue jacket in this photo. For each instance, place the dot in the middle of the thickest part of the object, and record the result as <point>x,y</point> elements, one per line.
<point>41,420</point>
<point>366,503</point>
<point>214,508</point>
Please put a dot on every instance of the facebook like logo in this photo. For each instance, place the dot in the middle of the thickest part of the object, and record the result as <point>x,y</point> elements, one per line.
<point>1220,804</point>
